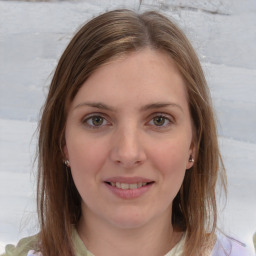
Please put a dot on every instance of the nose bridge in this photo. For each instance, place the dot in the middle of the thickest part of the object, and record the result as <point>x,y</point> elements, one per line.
<point>127,149</point>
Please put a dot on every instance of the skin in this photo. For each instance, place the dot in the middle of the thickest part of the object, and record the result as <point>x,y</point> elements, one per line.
<point>145,132</point>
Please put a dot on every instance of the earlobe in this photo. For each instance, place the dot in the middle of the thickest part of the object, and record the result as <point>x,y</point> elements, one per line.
<point>66,156</point>
<point>191,159</point>
<point>67,163</point>
<point>190,162</point>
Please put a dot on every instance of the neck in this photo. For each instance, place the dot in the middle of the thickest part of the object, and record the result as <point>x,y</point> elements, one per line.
<point>102,238</point>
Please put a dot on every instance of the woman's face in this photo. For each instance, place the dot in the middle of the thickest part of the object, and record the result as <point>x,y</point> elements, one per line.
<point>129,139</point>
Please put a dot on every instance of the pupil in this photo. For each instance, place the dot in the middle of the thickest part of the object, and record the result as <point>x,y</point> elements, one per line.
<point>97,120</point>
<point>159,120</point>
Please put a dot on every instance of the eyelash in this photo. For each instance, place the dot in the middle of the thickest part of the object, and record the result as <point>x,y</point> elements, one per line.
<point>166,118</point>
<point>90,117</point>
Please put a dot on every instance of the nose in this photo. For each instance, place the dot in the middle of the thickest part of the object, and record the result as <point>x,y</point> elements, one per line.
<point>127,149</point>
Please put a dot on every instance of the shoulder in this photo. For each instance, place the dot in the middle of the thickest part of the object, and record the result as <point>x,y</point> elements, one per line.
<point>22,248</point>
<point>229,246</point>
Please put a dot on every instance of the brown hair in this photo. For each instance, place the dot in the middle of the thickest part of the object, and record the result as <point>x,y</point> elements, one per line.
<point>105,37</point>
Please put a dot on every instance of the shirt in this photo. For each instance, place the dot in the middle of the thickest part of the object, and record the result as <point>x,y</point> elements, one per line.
<point>224,246</point>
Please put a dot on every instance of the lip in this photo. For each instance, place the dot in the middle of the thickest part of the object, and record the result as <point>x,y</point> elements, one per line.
<point>128,180</point>
<point>129,193</point>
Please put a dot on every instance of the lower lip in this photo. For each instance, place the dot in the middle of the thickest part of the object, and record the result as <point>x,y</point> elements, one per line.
<point>129,193</point>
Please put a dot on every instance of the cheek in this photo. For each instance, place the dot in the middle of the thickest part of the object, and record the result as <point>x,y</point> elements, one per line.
<point>172,153</point>
<point>86,160</point>
<point>171,160</point>
<point>86,157</point>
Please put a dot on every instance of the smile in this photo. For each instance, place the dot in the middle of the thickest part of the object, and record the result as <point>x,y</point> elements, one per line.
<point>126,186</point>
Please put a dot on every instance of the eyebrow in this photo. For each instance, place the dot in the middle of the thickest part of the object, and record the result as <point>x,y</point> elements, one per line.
<point>160,105</point>
<point>142,109</point>
<point>95,105</point>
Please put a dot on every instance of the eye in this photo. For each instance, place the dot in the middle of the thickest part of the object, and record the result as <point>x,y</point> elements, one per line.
<point>160,120</point>
<point>95,121</point>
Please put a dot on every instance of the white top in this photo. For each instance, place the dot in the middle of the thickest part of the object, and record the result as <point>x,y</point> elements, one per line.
<point>224,246</point>
<point>177,250</point>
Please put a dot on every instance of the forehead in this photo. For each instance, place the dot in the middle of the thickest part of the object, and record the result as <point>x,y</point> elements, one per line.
<point>142,76</point>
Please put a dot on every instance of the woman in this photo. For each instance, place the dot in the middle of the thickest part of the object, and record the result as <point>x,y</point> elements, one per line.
<point>128,151</point>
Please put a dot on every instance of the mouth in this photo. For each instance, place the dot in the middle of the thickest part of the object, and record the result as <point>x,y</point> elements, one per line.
<point>128,186</point>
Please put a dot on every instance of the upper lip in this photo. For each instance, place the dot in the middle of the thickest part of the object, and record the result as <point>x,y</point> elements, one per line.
<point>128,180</point>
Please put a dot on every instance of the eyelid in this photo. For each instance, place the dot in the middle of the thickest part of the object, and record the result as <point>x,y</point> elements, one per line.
<point>95,114</point>
<point>85,118</point>
<point>163,114</point>
<point>168,117</point>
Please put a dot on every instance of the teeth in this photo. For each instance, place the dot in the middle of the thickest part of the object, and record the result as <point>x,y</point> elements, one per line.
<point>124,186</point>
<point>133,186</point>
<point>128,186</point>
<point>139,185</point>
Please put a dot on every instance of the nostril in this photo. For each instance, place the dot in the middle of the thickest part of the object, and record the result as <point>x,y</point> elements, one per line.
<point>128,164</point>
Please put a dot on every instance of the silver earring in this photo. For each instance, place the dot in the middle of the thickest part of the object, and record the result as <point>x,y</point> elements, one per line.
<point>191,159</point>
<point>67,163</point>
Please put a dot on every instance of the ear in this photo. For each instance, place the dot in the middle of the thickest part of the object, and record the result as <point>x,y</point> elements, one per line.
<point>191,156</point>
<point>65,151</point>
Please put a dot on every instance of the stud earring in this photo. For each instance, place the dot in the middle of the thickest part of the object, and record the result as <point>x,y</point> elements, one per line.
<point>191,159</point>
<point>67,163</point>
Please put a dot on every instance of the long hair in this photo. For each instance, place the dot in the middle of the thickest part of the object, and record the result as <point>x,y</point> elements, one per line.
<point>108,36</point>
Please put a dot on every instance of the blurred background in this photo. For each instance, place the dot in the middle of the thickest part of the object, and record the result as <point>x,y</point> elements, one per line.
<point>33,34</point>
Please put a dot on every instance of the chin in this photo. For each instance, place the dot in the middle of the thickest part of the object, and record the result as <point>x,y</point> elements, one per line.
<point>129,220</point>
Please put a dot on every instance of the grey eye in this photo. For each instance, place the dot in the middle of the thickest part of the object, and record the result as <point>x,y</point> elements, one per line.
<point>159,120</point>
<point>95,121</point>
